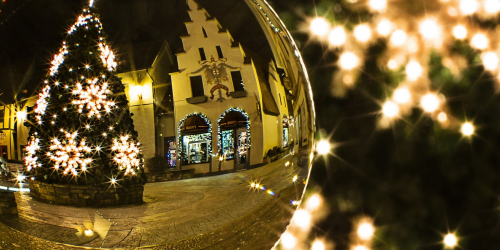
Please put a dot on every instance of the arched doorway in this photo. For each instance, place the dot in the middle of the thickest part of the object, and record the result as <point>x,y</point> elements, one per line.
<point>234,137</point>
<point>195,140</point>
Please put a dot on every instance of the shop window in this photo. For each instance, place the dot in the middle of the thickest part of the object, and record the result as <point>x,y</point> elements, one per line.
<point>285,137</point>
<point>196,148</point>
<point>219,52</point>
<point>228,144</point>
<point>197,86</point>
<point>243,146</point>
<point>204,32</point>
<point>237,81</point>
<point>202,54</point>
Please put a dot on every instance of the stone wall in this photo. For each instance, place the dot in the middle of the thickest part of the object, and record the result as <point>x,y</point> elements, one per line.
<point>8,203</point>
<point>86,195</point>
<point>171,175</point>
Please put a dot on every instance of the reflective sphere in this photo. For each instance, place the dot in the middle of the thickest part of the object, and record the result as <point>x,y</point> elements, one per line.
<point>221,103</point>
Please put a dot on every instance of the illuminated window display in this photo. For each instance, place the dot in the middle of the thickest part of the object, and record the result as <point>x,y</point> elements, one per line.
<point>228,144</point>
<point>285,137</point>
<point>196,148</point>
<point>195,139</point>
<point>243,146</point>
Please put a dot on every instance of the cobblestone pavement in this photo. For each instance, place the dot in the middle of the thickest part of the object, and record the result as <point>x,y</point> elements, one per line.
<point>174,213</point>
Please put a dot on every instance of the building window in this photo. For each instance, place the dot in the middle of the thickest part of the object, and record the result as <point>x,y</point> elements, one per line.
<point>196,148</point>
<point>228,144</point>
<point>285,137</point>
<point>204,32</point>
<point>2,116</point>
<point>202,54</point>
<point>197,86</point>
<point>237,81</point>
<point>281,103</point>
<point>219,52</point>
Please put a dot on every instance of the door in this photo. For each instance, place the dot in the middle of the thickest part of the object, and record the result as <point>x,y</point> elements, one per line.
<point>242,159</point>
<point>169,151</point>
<point>3,152</point>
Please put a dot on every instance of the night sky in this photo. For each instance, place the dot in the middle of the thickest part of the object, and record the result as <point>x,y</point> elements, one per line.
<point>36,29</point>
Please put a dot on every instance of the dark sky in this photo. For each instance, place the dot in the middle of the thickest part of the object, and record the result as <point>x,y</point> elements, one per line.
<point>31,31</point>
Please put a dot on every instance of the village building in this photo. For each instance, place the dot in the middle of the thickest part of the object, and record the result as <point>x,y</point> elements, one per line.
<point>213,106</point>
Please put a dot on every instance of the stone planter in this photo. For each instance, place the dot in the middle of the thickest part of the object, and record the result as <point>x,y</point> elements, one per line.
<point>86,195</point>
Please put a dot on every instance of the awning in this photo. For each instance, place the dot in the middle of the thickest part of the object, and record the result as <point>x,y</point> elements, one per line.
<point>194,124</point>
<point>233,119</point>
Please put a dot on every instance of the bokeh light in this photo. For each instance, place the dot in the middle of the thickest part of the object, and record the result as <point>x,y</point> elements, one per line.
<point>450,240</point>
<point>459,32</point>
<point>323,147</point>
<point>318,245</point>
<point>467,129</point>
<point>302,219</point>
<point>348,61</point>
<point>390,109</point>
<point>319,26</point>
<point>429,102</point>
<point>479,41</point>
<point>362,33</point>
<point>337,36</point>
<point>288,241</point>
<point>402,95</point>
<point>365,230</point>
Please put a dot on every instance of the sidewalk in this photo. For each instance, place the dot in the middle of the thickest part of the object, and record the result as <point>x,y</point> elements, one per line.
<point>192,211</point>
<point>13,186</point>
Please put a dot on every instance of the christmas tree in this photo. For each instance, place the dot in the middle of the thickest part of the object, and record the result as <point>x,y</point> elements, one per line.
<point>82,131</point>
<point>411,111</point>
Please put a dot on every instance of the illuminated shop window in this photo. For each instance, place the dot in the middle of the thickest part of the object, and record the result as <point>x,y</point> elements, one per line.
<point>228,144</point>
<point>285,137</point>
<point>196,148</point>
<point>243,146</point>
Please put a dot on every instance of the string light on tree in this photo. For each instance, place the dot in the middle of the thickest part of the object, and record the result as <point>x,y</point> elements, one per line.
<point>365,230</point>
<point>450,240</point>
<point>288,241</point>
<point>467,129</point>
<point>384,27</point>
<point>398,38</point>
<point>402,95</point>
<point>468,7</point>
<point>302,219</point>
<point>479,41</point>
<point>413,70</point>
<point>337,36</point>
<point>377,5</point>
<point>429,29</point>
<point>390,109</point>
<point>490,60</point>
<point>348,60</point>
<point>318,245</point>
<point>319,26</point>
<point>362,33</point>
<point>429,102</point>
<point>459,32</point>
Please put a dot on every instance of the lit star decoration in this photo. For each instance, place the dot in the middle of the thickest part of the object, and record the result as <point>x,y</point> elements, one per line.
<point>409,45</point>
<point>82,131</point>
<point>69,154</point>
<point>93,97</point>
<point>126,152</point>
